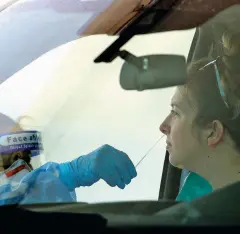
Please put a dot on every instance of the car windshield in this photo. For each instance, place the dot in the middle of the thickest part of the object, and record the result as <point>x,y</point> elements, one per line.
<point>78,105</point>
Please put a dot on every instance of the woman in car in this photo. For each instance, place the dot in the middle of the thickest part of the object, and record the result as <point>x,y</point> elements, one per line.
<point>53,182</point>
<point>202,130</point>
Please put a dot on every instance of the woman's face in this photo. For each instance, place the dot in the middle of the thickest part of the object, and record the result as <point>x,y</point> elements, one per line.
<point>7,125</point>
<point>8,159</point>
<point>183,142</point>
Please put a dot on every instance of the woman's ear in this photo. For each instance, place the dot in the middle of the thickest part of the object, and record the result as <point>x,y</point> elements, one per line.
<point>216,133</point>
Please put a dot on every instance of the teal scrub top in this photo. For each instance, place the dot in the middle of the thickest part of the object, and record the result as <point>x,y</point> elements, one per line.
<point>194,187</point>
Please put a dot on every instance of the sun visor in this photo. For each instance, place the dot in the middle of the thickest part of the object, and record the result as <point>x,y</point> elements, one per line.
<point>115,17</point>
<point>168,15</point>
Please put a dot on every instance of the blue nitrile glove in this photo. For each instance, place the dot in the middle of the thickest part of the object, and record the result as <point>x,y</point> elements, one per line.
<point>106,162</point>
<point>41,185</point>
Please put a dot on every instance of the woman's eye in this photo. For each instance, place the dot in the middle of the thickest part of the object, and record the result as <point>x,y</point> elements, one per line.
<point>173,112</point>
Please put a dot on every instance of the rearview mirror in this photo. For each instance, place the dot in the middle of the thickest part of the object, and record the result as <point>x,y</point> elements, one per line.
<point>152,71</point>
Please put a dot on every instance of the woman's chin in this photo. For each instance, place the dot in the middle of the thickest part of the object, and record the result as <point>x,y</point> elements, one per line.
<point>174,162</point>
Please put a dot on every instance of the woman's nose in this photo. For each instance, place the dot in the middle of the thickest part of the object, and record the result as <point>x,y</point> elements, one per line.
<point>164,128</point>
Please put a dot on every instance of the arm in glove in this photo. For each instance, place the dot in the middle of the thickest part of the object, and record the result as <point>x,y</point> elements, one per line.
<point>107,163</point>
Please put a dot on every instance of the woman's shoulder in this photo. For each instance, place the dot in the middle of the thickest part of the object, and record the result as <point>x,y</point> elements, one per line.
<point>194,187</point>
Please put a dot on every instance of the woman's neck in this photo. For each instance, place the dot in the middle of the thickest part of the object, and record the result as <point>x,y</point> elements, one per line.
<point>221,168</point>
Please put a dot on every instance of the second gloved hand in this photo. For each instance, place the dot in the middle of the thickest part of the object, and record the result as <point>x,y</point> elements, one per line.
<point>112,165</point>
<point>106,162</point>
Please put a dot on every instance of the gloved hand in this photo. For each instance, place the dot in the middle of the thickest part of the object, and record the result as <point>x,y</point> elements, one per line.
<point>106,162</point>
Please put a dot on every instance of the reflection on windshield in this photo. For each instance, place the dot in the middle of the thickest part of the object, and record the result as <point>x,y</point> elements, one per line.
<point>30,29</point>
<point>76,135</point>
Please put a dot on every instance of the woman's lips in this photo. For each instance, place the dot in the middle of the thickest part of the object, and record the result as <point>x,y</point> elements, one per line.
<point>168,144</point>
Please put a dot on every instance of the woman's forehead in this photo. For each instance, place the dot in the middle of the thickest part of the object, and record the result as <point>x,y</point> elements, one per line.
<point>182,99</point>
<point>177,97</point>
